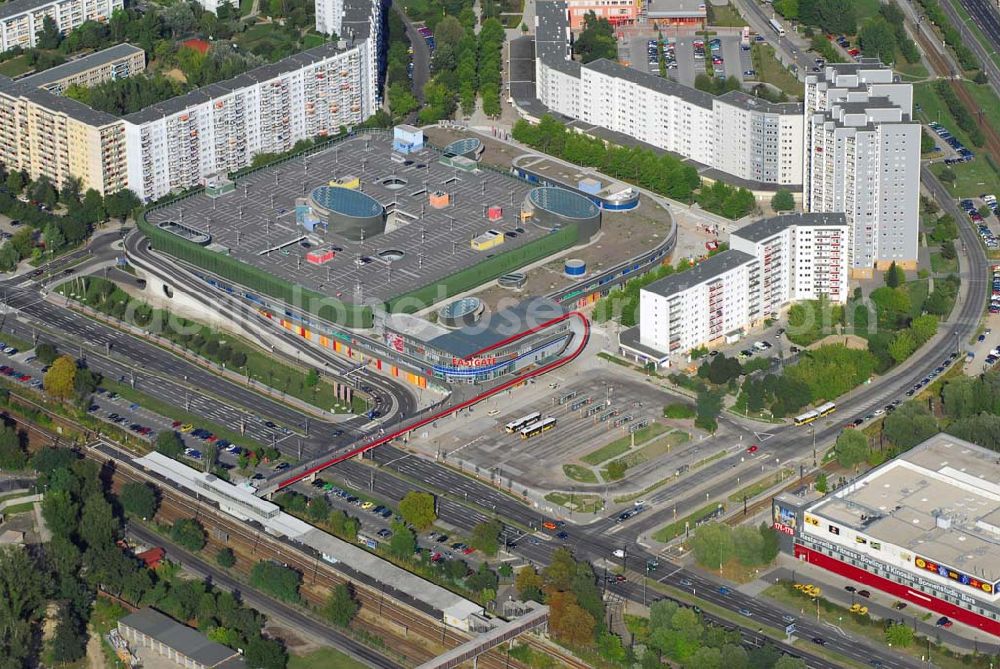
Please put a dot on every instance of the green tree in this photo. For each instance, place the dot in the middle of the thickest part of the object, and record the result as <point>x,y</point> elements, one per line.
<point>169,443</point>
<point>485,536</point>
<point>189,533</point>
<point>277,580</point>
<point>529,584</point>
<point>899,635</point>
<point>226,558</point>
<point>13,456</point>
<point>902,346</point>
<point>69,641</point>
<point>138,499</point>
<point>596,40</point>
<point>61,512</point>
<point>341,607</point>
<point>909,425</point>
<point>49,36</point>
<point>878,40</point>
<point>418,509</point>
<point>894,276</point>
<point>403,543</point>
<point>22,599</point>
<point>851,448</point>
<point>821,483</point>
<point>783,200</point>
<point>15,182</point>
<point>923,328</point>
<point>264,653</point>
<point>46,353</point>
<point>713,545</point>
<point>789,662</point>
<point>59,380</point>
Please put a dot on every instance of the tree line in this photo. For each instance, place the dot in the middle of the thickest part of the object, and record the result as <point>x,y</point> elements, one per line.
<point>84,556</point>
<point>661,173</point>
<point>54,220</point>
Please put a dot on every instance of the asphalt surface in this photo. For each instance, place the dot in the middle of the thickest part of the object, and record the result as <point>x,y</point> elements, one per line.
<point>274,609</point>
<point>421,55</point>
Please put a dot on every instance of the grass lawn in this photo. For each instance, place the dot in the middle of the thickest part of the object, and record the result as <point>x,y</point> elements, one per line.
<point>987,102</point>
<point>324,658</point>
<point>929,107</point>
<point>676,529</point>
<point>918,295</point>
<point>771,71</point>
<point>865,8</point>
<point>310,41</point>
<point>726,15</point>
<point>656,449</point>
<point>971,179</point>
<point>15,66</point>
<point>19,508</point>
<point>914,70</point>
<point>245,7</point>
<point>580,473</point>
<point>941,265</point>
<point>586,503</point>
<point>757,488</point>
<point>622,445</point>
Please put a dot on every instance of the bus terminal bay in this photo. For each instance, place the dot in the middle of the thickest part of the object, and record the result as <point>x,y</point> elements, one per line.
<point>561,433</point>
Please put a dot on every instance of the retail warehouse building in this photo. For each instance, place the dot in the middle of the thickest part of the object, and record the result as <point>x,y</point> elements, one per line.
<point>924,528</point>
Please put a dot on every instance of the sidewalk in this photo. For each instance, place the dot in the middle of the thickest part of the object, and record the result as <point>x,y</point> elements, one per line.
<point>960,637</point>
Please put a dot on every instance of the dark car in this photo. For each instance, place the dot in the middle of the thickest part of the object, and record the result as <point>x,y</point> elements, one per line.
<point>943,621</point>
<point>562,535</point>
<point>850,588</point>
<point>270,424</point>
<point>864,593</point>
<point>819,641</point>
<point>899,606</point>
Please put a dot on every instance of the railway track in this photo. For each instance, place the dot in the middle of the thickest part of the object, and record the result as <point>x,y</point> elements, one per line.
<point>943,68</point>
<point>431,636</point>
<point>415,637</point>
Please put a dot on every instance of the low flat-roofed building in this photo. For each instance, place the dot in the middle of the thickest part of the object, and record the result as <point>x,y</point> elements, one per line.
<point>676,11</point>
<point>150,630</point>
<point>924,527</point>
<point>116,62</point>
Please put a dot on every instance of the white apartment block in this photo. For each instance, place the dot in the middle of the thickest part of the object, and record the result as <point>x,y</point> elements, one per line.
<point>329,16</point>
<point>44,134</point>
<point>177,144</point>
<point>20,20</point>
<point>770,264</point>
<point>736,134</point>
<point>213,5</point>
<point>862,157</point>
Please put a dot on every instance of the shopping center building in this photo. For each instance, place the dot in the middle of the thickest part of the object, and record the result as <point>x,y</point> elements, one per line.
<point>923,527</point>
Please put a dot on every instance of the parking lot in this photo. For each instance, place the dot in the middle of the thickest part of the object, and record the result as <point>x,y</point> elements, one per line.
<point>590,412</point>
<point>986,225</point>
<point>687,56</point>
<point>422,244</point>
<point>962,153</point>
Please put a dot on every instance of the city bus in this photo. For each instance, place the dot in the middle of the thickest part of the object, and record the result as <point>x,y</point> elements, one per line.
<point>516,425</point>
<point>537,428</point>
<point>777,27</point>
<point>826,409</point>
<point>807,417</point>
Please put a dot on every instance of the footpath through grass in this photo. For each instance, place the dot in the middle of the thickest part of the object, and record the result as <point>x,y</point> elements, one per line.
<point>623,444</point>
<point>676,528</point>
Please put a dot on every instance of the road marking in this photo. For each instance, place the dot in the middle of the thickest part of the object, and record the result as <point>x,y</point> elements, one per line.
<point>762,436</point>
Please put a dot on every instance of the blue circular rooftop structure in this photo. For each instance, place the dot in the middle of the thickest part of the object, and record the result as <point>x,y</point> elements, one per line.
<point>348,212</point>
<point>461,312</point>
<point>553,208</point>
<point>562,202</point>
<point>469,147</point>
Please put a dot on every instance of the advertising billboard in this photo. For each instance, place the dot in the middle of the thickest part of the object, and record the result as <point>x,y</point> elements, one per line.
<point>953,574</point>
